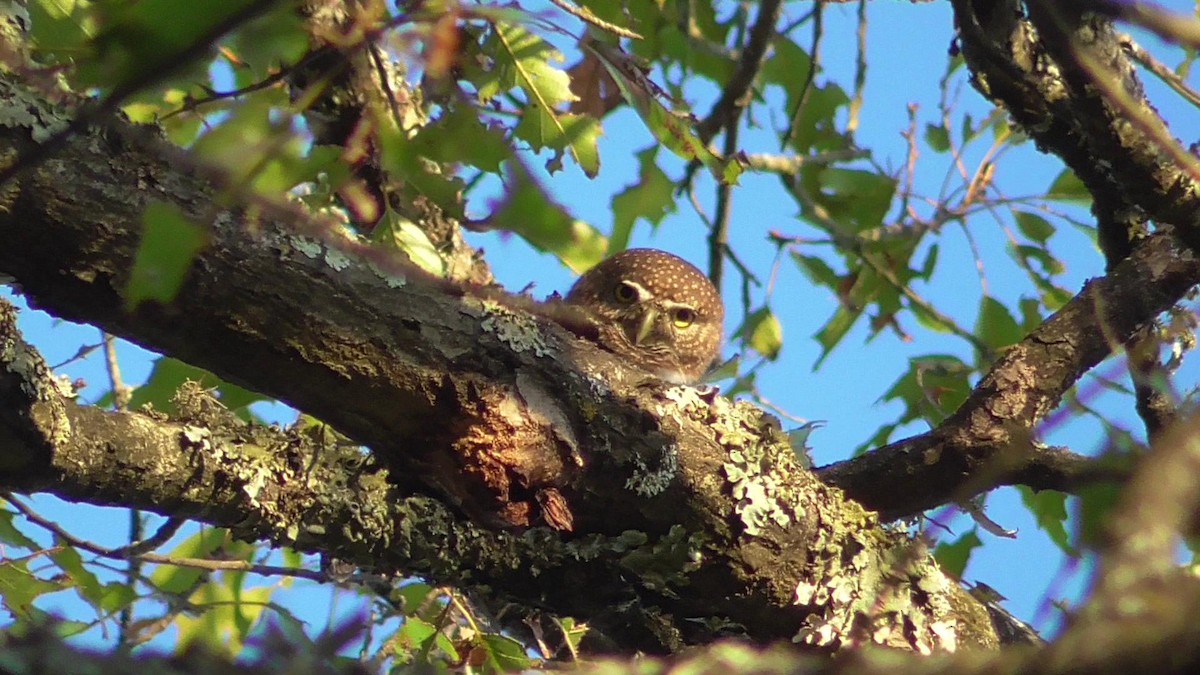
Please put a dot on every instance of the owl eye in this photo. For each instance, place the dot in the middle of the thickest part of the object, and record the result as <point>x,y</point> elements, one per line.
<point>683,316</point>
<point>625,292</point>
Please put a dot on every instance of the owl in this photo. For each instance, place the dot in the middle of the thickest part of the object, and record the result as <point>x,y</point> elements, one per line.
<point>656,310</point>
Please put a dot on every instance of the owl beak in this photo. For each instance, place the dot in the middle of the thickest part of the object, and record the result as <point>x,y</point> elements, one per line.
<point>645,326</point>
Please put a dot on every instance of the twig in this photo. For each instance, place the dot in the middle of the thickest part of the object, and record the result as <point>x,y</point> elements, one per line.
<point>733,97</point>
<point>587,17</point>
<point>125,553</point>
<point>1160,70</point>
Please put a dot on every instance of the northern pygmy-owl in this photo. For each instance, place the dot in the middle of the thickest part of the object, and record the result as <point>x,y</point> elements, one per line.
<point>655,309</point>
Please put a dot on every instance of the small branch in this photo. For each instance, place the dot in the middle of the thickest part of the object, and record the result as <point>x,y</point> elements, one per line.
<point>587,17</point>
<point>989,435</point>
<point>727,109</point>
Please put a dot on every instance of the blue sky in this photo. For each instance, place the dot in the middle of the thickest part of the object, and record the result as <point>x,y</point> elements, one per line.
<point>907,46</point>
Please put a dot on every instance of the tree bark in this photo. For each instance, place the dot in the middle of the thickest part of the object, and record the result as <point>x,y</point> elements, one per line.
<point>504,452</point>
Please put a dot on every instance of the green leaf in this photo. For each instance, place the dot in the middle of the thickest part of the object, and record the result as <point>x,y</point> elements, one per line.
<point>855,200</point>
<point>1031,314</point>
<point>458,137</point>
<point>763,333</point>
<point>954,556</point>
<point>817,270</point>
<point>930,263</point>
<point>19,588</point>
<point>523,60</point>
<point>572,631</point>
<point>420,600</point>
<point>229,612</point>
<point>414,634</point>
<point>169,243</point>
<point>135,34</point>
<point>1096,505</point>
<point>1050,264</point>
<point>834,330</point>
<point>11,536</point>
<point>934,386</point>
<point>278,38</point>
<point>1068,188</point>
<point>86,583</point>
<point>1055,298</point>
<point>816,129</point>
<point>787,66</point>
<point>674,131</point>
<point>1049,509</point>
<point>528,210</point>
<point>996,326</point>
<point>61,27</point>
<point>1034,226</point>
<point>937,137</point>
<point>504,653</point>
<point>405,159</point>
<point>651,199</point>
<point>261,152</point>
<point>401,234</point>
<point>169,374</point>
<point>180,580</point>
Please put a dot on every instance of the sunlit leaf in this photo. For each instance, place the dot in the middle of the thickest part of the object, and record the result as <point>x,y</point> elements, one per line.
<point>853,199</point>
<point>1049,509</point>
<point>817,270</point>
<point>169,243</point>
<point>953,556</point>
<point>528,210</point>
<point>996,325</point>
<point>276,39</point>
<point>1068,188</point>
<point>178,580</point>
<point>61,27</point>
<point>674,131</point>
<point>934,386</point>
<point>10,535</point>
<point>763,333</point>
<point>71,563</point>
<point>505,653</point>
<point>834,330</point>
<point>401,234</point>
<point>19,588</point>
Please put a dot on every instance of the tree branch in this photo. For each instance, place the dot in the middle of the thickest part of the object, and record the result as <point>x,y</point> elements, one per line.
<point>486,425</point>
<point>987,441</point>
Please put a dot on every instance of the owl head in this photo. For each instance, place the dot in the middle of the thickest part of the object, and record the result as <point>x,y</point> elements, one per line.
<point>656,309</point>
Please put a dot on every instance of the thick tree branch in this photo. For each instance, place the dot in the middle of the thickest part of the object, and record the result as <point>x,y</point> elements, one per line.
<point>1070,85</point>
<point>987,442</point>
<point>491,425</point>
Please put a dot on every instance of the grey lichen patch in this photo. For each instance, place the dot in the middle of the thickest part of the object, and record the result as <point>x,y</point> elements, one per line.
<point>864,589</point>
<point>337,259</point>
<point>516,329</point>
<point>393,280</point>
<point>306,246</point>
<point>648,480</point>
<point>247,456</point>
<point>24,108</point>
<point>755,466</point>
